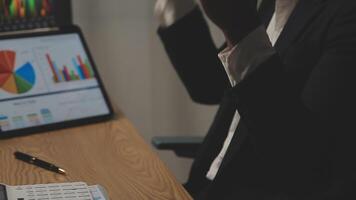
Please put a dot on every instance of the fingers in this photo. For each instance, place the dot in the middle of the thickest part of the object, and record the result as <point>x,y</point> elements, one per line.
<point>159,9</point>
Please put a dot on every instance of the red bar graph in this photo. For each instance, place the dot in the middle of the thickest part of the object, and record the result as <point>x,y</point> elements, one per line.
<point>83,67</point>
<point>83,70</point>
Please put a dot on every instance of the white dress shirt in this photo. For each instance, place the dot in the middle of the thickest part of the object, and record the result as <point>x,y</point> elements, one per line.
<point>239,61</point>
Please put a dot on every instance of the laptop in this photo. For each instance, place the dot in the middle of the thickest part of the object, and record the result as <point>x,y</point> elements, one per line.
<point>48,81</point>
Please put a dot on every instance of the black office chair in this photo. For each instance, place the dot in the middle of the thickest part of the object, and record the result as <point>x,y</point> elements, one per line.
<point>186,147</point>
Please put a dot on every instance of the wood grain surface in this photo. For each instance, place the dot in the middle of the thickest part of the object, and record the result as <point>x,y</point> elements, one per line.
<point>111,154</point>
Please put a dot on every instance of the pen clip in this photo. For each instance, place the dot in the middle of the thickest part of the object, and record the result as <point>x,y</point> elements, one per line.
<point>32,160</point>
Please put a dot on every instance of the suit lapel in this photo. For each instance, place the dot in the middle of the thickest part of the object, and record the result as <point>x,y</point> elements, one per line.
<point>215,138</point>
<point>303,14</point>
<point>239,138</point>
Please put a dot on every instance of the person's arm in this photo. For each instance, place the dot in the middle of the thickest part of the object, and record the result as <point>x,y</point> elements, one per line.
<point>292,127</point>
<point>296,122</point>
<point>193,54</point>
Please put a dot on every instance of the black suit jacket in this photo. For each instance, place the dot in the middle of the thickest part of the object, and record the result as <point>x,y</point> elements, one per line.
<point>296,135</point>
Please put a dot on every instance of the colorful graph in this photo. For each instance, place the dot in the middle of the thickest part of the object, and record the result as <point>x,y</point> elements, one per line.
<point>18,121</point>
<point>47,115</point>
<point>83,70</point>
<point>33,119</point>
<point>29,14</point>
<point>4,123</point>
<point>14,81</point>
<point>11,9</point>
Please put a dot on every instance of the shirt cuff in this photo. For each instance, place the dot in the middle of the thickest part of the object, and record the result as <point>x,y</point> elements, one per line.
<point>246,56</point>
<point>168,12</point>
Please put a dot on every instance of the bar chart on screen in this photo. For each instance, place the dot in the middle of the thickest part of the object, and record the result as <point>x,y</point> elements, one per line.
<point>26,9</point>
<point>22,14</point>
<point>29,14</point>
<point>80,70</point>
<point>63,69</point>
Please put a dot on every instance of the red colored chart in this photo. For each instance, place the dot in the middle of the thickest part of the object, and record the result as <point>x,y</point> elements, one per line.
<point>16,82</point>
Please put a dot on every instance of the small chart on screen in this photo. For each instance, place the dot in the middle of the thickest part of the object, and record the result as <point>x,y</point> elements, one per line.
<point>76,71</point>
<point>29,14</point>
<point>12,80</point>
<point>19,74</point>
<point>62,69</point>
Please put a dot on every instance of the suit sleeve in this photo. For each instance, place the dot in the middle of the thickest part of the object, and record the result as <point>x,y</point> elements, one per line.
<point>193,54</point>
<point>298,130</point>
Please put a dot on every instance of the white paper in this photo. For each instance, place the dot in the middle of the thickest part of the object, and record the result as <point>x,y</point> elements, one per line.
<point>98,192</point>
<point>60,191</point>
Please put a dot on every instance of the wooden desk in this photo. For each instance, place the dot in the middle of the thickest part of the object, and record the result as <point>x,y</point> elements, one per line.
<point>111,154</point>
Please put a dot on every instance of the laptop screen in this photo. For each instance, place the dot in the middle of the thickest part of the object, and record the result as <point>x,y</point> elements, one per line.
<point>46,80</point>
<point>30,14</point>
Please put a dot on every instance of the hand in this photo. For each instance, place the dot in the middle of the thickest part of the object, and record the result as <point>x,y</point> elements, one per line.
<point>169,11</point>
<point>236,18</point>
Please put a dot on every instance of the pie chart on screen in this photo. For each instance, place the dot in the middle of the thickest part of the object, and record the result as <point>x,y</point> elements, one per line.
<point>17,81</point>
